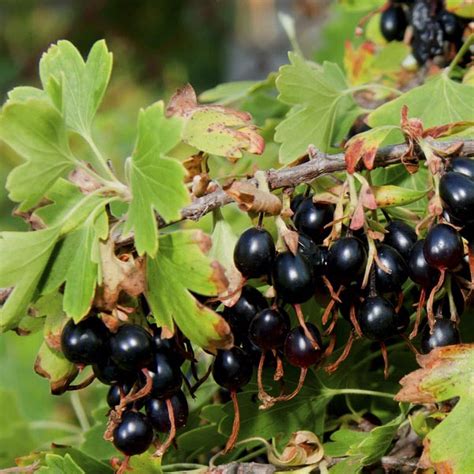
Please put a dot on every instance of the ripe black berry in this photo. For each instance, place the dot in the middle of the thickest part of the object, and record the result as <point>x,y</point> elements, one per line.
<point>452,27</point>
<point>157,412</point>
<point>457,195</point>
<point>250,303</point>
<point>254,253</point>
<point>346,260</point>
<point>293,278</point>
<point>85,342</point>
<point>443,247</point>
<point>296,201</point>
<point>299,350</point>
<point>232,368</point>
<point>377,318</point>
<point>393,281</point>
<point>134,434</point>
<point>401,237</point>
<point>131,348</point>
<point>420,270</point>
<point>316,255</point>
<point>165,375</point>
<point>445,333</point>
<point>168,346</point>
<point>463,166</point>
<point>114,395</point>
<point>108,372</point>
<point>403,320</point>
<point>269,328</point>
<point>310,219</point>
<point>393,23</point>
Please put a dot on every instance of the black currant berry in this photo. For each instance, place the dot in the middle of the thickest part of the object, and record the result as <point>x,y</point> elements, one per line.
<point>293,278</point>
<point>250,303</point>
<point>168,346</point>
<point>299,350</point>
<point>393,281</point>
<point>420,271</point>
<point>232,368</point>
<point>131,348</point>
<point>85,342</point>
<point>377,318</point>
<point>310,219</point>
<point>254,253</point>
<point>296,201</point>
<point>445,333</point>
<point>443,247</point>
<point>457,195</point>
<point>317,255</point>
<point>346,260</point>
<point>401,237</point>
<point>157,412</point>
<point>349,297</point>
<point>166,376</point>
<point>134,434</point>
<point>108,372</point>
<point>452,27</point>
<point>114,395</point>
<point>403,320</point>
<point>464,166</point>
<point>393,23</point>
<point>269,328</point>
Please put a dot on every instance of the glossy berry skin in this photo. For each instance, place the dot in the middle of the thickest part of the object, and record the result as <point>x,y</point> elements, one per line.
<point>403,320</point>
<point>84,343</point>
<point>443,247</point>
<point>310,219</point>
<point>393,23</point>
<point>269,328</point>
<point>349,297</point>
<point>254,253</point>
<point>167,346</point>
<point>316,255</point>
<point>457,195</point>
<point>420,271</point>
<point>293,278</point>
<point>296,201</point>
<point>131,348</point>
<point>299,350</point>
<point>445,333</point>
<point>166,376</point>
<point>113,396</point>
<point>346,260</point>
<point>393,281</point>
<point>464,166</point>
<point>377,318</point>
<point>108,372</point>
<point>232,368</point>
<point>134,434</point>
<point>401,237</point>
<point>250,303</point>
<point>157,412</point>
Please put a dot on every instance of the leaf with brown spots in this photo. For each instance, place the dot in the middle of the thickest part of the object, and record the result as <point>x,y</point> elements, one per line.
<point>446,373</point>
<point>358,61</point>
<point>448,129</point>
<point>395,196</point>
<point>215,129</point>
<point>181,270</point>
<point>53,366</point>
<point>364,146</point>
<point>250,198</point>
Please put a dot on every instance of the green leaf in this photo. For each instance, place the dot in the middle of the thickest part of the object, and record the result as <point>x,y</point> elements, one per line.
<point>463,8</point>
<point>324,108</point>
<point>394,196</point>
<point>86,462</point>
<point>179,267</point>
<point>35,130</point>
<point>146,463</point>
<point>228,92</point>
<point>53,366</point>
<point>446,374</point>
<point>453,104</point>
<point>157,181</point>
<point>342,440</point>
<point>24,257</point>
<point>56,464</point>
<point>348,466</point>
<point>25,93</point>
<point>15,436</point>
<point>76,87</point>
<point>94,443</point>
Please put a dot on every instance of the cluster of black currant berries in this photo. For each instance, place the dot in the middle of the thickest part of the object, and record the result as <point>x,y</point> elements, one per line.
<point>436,33</point>
<point>143,372</point>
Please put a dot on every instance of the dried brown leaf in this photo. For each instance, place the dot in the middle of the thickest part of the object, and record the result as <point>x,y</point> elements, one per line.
<point>250,198</point>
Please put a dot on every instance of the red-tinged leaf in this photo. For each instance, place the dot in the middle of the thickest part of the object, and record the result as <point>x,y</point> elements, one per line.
<point>213,128</point>
<point>446,373</point>
<point>367,197</point>
<point>357,61</point>
<point>364,146</point>
<point>358,217</point>
<point>448,129</point>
